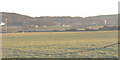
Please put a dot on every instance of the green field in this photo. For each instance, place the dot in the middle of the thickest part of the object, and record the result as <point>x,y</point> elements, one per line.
<point>88,44</point>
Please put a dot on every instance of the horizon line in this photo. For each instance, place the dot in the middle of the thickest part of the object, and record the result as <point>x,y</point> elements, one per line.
<point>57,16</point>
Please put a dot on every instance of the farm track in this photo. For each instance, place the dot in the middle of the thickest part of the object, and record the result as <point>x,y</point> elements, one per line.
<point>34,53</point>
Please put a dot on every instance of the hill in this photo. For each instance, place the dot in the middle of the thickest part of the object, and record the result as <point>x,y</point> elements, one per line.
<point>17,22</point>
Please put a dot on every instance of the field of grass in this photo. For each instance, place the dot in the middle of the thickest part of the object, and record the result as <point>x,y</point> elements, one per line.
<point>88,44</point>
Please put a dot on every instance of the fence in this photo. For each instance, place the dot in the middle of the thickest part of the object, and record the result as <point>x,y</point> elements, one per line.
<point>110,45</point>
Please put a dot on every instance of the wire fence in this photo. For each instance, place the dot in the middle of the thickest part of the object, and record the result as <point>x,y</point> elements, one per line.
<point>87,50</point>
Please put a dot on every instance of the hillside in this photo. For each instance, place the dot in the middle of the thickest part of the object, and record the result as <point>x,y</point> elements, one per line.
<point>23,22</point>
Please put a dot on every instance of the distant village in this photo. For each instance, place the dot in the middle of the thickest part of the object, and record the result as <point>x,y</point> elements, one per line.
<point>89,28</point>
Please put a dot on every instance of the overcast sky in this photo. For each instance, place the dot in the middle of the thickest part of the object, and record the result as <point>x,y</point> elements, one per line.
<point>83,8</point>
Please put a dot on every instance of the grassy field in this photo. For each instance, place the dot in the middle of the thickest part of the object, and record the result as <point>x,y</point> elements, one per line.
<point>88,44</point>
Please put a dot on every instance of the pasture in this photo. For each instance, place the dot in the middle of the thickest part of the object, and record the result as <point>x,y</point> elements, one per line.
<point>87,44</point>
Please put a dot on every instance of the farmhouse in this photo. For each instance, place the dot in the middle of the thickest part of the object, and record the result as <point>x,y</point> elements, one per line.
<point>1,24</point>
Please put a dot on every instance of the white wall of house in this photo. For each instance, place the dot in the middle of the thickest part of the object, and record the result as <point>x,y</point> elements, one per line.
<point>1,24</point>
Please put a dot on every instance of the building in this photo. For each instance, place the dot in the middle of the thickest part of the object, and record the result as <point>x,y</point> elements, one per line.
<point>1,24</point>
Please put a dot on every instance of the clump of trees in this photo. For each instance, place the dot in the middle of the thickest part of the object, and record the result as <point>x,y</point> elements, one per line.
<point>104,28</point>
<point>109,28</point>
<point>73,29</point>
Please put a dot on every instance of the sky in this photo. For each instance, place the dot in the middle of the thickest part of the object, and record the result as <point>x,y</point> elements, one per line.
<point>83,8</point>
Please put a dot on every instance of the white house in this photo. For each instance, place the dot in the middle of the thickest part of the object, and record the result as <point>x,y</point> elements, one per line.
<point>1,24</point>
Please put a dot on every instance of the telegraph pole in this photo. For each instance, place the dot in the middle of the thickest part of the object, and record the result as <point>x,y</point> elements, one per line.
<point>6,25</point>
